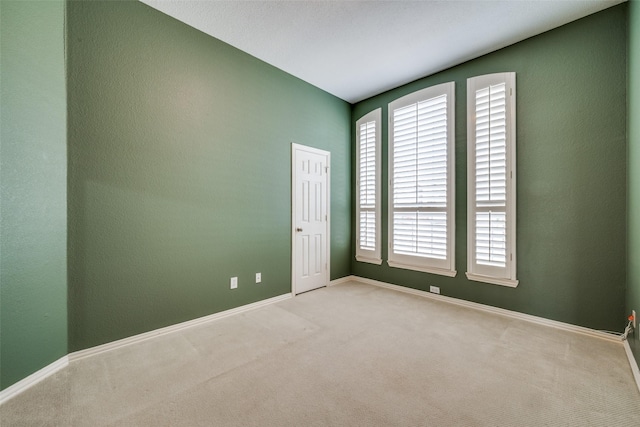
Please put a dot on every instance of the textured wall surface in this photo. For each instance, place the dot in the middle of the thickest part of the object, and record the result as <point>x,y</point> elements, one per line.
<point>33,195</point>
<point>180,172</point>
<point>571,175</point>
<point>179,175</point>
<point>633,114</point>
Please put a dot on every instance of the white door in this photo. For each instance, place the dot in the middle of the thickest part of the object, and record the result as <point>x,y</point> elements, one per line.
<point>310,218</point>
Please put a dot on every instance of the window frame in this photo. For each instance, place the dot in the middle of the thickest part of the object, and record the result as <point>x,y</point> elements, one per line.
<point>365,255</point>
<point>505,276</point>
<point>425,264</point>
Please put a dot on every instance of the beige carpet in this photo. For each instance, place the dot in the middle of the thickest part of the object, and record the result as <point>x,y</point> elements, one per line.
<point>348,355</point>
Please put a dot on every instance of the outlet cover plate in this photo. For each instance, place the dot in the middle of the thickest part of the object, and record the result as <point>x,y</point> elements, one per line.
<point>258,277</point>
<point>434,289</point>
<point>234,282</point>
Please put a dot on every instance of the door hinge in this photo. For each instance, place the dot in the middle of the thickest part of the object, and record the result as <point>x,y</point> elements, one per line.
<point>510,257</point>
<point>510,91</point>
<point>326,218</point>
<point>326,267</point>
<point>326,169</point>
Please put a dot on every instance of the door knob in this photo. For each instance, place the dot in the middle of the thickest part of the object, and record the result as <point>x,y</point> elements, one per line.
<point>298,229</point>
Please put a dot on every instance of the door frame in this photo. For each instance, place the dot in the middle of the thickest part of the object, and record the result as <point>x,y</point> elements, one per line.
<point>327,154</point>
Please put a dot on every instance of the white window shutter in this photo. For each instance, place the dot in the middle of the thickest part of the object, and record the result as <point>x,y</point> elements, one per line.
<point>368,245</point>
<point>421,167</point>
<point>491,187</point>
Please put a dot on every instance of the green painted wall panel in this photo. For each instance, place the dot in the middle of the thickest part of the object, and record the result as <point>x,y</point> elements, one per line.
<point>633,215</point>
<point>33,195</point>
<point>180,172</point>
<point>571,174</point>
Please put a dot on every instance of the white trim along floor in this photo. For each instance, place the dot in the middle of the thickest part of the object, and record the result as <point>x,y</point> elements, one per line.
<point>63,363</point>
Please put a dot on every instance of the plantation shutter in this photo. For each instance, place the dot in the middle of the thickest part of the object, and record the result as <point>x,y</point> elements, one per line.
<point>491,169</point>
<point>367,178</point>
<point>491,150</point>
<point>421,220</point>
<point>420,178</point>
<point>368,188</point>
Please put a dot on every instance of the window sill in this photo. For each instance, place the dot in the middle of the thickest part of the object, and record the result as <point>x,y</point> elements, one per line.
<point>493,280</point>
<point>432,270</point>
<point>376,261</point>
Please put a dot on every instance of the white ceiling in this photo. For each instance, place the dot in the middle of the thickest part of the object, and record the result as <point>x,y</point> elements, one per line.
<point>356,49</point>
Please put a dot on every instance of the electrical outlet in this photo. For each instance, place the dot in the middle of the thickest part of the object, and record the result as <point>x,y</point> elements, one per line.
<point>258,277</point>
<point>434,289</point>
<point>635,319</point>
<point>234,282</point>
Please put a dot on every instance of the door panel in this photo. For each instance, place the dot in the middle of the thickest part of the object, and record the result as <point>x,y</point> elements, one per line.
<point>310,219</point>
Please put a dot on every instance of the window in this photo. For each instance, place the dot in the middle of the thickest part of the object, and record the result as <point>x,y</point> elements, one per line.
<point>368,188</point>
<point>421,185</point>
<point>491,150</point>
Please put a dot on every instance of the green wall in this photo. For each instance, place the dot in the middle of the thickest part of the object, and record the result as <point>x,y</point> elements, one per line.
<point>33,195</point>
<point>571,175</point>
<point>633,215</point>
<point>179,175</point>
<point>180,172</point>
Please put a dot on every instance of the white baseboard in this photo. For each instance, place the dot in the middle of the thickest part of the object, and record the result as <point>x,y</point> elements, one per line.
<point>63,362</point>
<point>503,312</point>
<point>344,279</point>
<point>632,363</point>
<point>77,355</point>
<point>489,309</point>
<point>33,379</point>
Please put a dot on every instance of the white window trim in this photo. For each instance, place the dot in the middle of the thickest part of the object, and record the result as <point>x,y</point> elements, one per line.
<point>364,255</point>
<point>445,267</point>
<point>495,275</point>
